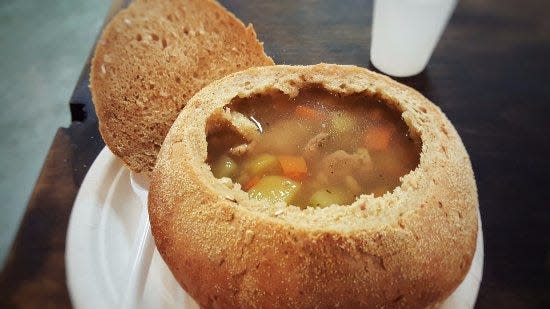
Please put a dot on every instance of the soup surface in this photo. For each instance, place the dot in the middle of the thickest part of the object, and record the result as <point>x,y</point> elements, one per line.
<point>316,149</point>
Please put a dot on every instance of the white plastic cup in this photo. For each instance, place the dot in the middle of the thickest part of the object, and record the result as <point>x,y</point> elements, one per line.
<point>405,33</point>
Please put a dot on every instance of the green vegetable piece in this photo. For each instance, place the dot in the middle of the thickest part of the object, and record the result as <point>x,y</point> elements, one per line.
<point>327,197</point>
<point>342,122</point>
<point>275,189</point>
<point>262,164</point>
<point>224,167</point>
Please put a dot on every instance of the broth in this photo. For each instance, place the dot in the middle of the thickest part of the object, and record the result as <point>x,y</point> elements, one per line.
<point>315,149</point>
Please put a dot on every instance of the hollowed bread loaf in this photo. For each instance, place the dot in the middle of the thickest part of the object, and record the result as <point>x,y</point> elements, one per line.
<point>409,248</point>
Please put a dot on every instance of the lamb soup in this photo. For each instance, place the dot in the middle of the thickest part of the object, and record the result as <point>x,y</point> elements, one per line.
<point>313,150</point>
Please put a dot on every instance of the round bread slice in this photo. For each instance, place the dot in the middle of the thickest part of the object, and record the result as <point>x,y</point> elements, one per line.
<point>151,58</point>
<point>409,248</point>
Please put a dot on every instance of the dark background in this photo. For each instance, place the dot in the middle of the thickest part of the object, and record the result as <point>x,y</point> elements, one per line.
<point>489,74</point>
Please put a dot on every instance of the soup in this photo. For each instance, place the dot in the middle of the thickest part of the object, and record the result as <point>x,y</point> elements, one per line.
<point>316,149</point>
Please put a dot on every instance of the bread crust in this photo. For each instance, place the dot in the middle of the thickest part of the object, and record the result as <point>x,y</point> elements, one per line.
<point>151,58</point>
<point>408,248</point>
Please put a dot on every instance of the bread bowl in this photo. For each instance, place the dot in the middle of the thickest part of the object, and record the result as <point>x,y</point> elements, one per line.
<point>409,247</point>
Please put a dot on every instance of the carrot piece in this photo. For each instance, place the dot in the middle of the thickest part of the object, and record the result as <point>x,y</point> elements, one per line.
<point>294,167</point>
<point>251,183</point>
<point>378,138</point>
<point>309,113</point>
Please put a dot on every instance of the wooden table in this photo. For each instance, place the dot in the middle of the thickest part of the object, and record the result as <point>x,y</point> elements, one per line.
<point>489,74</point>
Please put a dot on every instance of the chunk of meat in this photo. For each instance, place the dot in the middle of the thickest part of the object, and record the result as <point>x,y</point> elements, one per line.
<point>225,118</point>
<point>340,164</point>
<point>243,149</point>
<point>314,145</point>
<point>243,125</point>
<point>352,184</point>
<point>239,150</point>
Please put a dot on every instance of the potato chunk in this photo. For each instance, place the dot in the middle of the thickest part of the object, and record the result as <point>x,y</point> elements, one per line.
<point>275,189</point>
<point>331,196</point>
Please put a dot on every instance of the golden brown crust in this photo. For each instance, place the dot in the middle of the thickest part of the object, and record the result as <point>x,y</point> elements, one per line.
<point>151,58</point>
<point>408,248</point>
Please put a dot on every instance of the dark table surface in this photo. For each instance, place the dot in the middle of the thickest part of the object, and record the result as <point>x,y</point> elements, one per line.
<point>489,74</point>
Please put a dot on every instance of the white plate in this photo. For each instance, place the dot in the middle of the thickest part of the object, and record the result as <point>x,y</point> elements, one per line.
<point>101,232</point>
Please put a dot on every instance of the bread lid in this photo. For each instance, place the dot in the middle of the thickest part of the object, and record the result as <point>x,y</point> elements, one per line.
<point>410,247</point>
<point>151,58</point>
